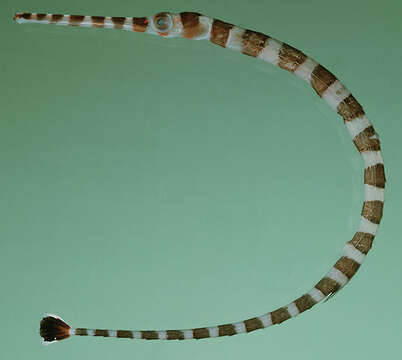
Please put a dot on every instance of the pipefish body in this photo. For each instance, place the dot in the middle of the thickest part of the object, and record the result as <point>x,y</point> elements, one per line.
<point>192,25</point>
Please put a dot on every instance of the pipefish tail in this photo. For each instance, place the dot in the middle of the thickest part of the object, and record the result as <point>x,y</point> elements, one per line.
<point>192,25</point>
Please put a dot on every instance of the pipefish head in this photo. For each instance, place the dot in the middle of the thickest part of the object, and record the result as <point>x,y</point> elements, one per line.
<point>190,25</point>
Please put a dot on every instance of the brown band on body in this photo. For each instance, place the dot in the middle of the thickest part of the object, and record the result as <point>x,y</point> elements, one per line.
<point>280,315</point>
<point>99,332</point>
<point>76,20</point>
<point>375,175</point>
<point>220,32</point>
<point>140,24</point>
<point>192,27</point>
<point>118,22</point>
<point>290,58</point>
<point>305,302</point>
<point>254,42</point>
<point>321,79</point>
<point>41,16</point>
<point>327,286</point>
<point>253,324</point>
<point>350,108</point>
<point>227,330</point>
<point>98,21</point>
<point>56,18</point>
<point>81,332</point>
<point>26,16</point>
<point>372,211</point>
<point>362,241</point>
<point>347,266</point>
<point>149,335</point>
<point>124,334</point>
<point>201,333</point>
<point>364,143</point>
<point>367,144</point>
<point>174,335</point>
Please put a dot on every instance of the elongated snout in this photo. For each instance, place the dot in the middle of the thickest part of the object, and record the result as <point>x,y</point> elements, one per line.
<point>138,24</point>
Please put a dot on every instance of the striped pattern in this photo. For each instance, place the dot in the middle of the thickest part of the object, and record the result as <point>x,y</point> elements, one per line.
<point>193,25</point>
<point>133,24</point>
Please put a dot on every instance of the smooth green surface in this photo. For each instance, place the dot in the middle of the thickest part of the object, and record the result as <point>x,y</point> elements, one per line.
<point>150,183</point>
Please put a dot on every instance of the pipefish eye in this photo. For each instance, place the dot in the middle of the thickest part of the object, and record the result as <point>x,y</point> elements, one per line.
<point>163,22</point>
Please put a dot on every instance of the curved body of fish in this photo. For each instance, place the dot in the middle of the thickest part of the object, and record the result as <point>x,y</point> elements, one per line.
<point>192,25</point>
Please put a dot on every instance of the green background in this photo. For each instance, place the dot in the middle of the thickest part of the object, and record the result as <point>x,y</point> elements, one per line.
<point>150,183</point>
